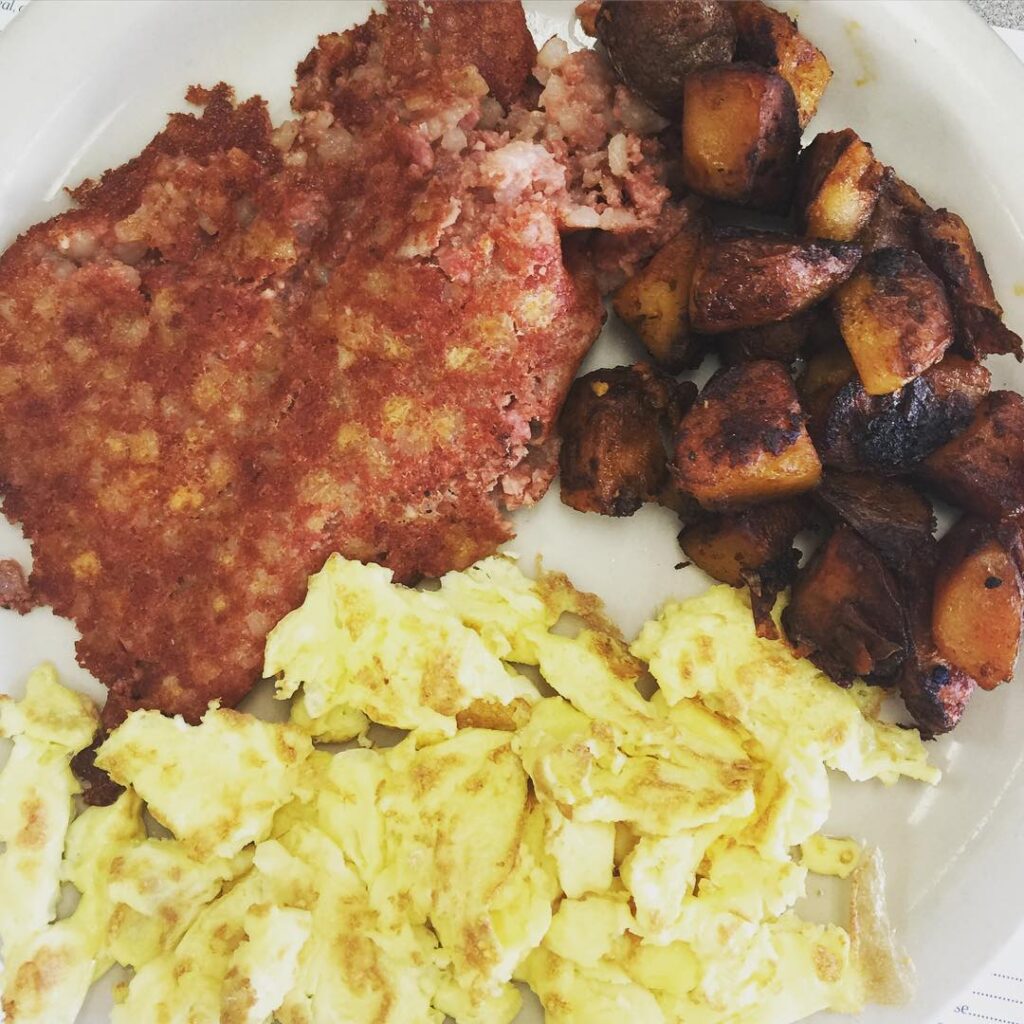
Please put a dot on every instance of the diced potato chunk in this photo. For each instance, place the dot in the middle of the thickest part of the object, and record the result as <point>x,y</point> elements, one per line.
<point>845,614</point>
<point>653,44</point>
<point>655,303</point>
<point>753,548</point>
<point>837,186</point>
<point>894,318</point>
<point>770,38</point>
<point>751,278</point>
<point>887,434</point>
<point>613,458</point>
<point>979,600</point>
<point>948,248</point>
<point>741,136</point>
<point>982,470</point>
<point>744,441</point>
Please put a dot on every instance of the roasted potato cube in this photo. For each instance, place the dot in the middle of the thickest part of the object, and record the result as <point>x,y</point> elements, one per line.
<point>982,470</point>
<point>753,548</point>
<point>978,607</point>
<point>751,278</point>
<point>744,441</point>
<point>838,182</point>
<point>845,613</point>
<point>935,692</point>
<point>893,223</point>
<point>771,39</point>
<point>741,138</point>
<point>887,434</point>
<point>656,301</point>
<point>895,319</point>
<point>948,248</point>
<point>613,424</point>
<point>654,44</point>
<point>889,514</point>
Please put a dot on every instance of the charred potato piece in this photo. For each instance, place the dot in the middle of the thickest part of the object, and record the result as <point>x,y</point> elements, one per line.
<point>893,222</point>
<point>804,335</point>
<point>613,456</point>
<point>935,692</point>
<point>948,248</point>
<point>845,612</point>
<point>751,278</point>
<point>752,548</point>
<point>895,319</point>
<point>741,138</point>
<point>771,39</point>
<point>982,470</point>
<point>656,301</point>
<point>889,514</point>
<point>654,44</point>
<point>744,441</point>
<point>888,434</point>
<point>978,608</point>
<point>837,186</point>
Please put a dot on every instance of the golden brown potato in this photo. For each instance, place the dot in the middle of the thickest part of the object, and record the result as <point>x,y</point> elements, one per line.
<point>978,608</point>
<point>893,222</point>
<point>613,455</point>
<point>982,470</point>
<point>935,692</point>
<point>894,317</point>
<point>889,514</point>
<point>845,613</point>
<point>838,182</point>
<point>654,44</point>
<point>751,278</point>
<point>887,434</point>
<point>744,442</point>
<point>753,548</point>
<point>656,301</point>
<point>948,248</point>
<point>740,136</point>
<point>771,38</point>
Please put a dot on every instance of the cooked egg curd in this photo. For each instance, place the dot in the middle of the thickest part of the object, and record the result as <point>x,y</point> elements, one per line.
<point>542,822</point>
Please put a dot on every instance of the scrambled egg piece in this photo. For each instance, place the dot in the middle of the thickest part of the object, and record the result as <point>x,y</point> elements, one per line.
<point>361,647</point>
<point>826,855</point>
<point>627,858</point>
<point>196,779</point>
<point>48,727</point>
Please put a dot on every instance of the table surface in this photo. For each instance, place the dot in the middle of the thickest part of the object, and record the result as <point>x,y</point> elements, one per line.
<point>996,997</point>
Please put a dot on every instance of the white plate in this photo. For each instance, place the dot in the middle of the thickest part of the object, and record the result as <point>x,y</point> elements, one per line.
<point>85,85</point>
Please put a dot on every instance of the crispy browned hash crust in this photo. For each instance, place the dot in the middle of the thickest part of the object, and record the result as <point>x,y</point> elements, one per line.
<point>252,346</point>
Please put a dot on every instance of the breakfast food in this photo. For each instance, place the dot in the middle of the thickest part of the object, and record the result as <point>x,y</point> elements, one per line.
<point>744,442</point>
<point>591,843</point>
<point>883,309</point>
<point>654,44</point>
<point>241,352</point>
<point>613,425</point>
<point>740,136</point>
<point>353,335</point>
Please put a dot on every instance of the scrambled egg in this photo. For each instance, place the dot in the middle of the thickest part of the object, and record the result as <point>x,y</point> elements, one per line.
<point>541,822</point>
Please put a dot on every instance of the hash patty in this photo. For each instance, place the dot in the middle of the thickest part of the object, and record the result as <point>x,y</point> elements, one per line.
<point>251,346</point>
